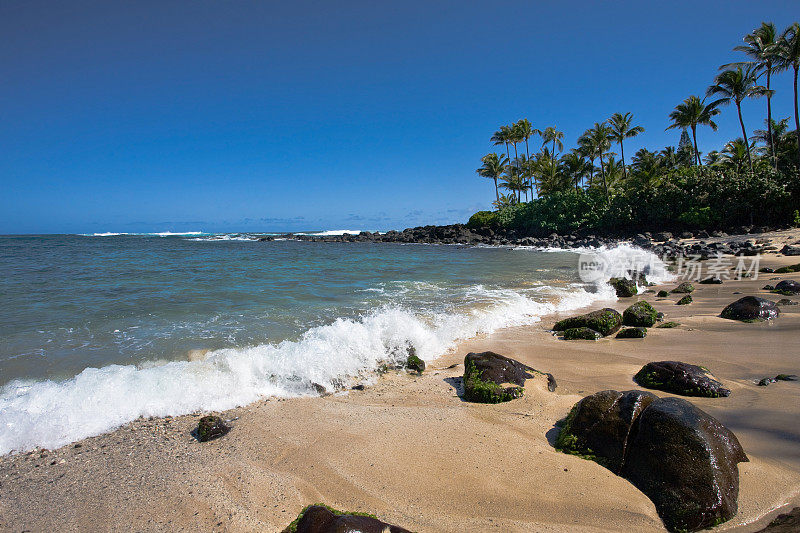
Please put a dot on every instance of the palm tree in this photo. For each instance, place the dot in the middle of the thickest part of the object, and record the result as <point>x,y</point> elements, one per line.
<point>502,136</point>
<point>512,182</point>
<point>622,128</point>
<point>775,130</point>
<point>735,153</point>
<point>526,131</point>
<point>789,56</point>
<point>552,135</point>
<point>691,113</point>
<point>713,158</point>
<point>668,157</point>
<point>599,140</point>
<point>586,149</point>
<point>734,85</point>
<point>762,46</point>
<point>575,166</point>
<point>493,166</point>
<point>504,200</point>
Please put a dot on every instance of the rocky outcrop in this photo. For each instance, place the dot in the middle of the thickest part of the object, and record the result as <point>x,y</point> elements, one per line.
<point>790,250</point>
<point>632,333</point>
<point>680,378</point>
<point>211,427</point>
<point>624,287</point>
<point>683,459</point>
<point>684,287</point>
<point>788,287</point>
<point>605,321</point>
<point>751,309</point>
<point>323,519</point>
<point>492,378</point>
<point>640,314</point>
<point>584,334</point>
<point>784,523</point>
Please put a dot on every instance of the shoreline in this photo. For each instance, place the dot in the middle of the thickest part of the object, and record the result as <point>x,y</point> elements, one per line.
<point>430,436</point>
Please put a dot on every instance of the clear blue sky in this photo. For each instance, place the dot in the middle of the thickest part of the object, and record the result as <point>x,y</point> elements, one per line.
<point>262,115</point>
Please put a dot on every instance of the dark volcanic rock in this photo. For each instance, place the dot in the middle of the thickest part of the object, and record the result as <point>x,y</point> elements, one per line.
<point>486,372</point>
<point>686,300</point>
<point>662,294</point>
<point>685,461</point>
<point>640,314</point>
<point>584,333</point>
<point>320,519</point>
<point>211,427</point>
<point>605,321</point>
<point>624,287</point>
<point>415,363</point>
<point>784,523</point>
<point>632,333</point>
<point>788,286</point>
<point>598,426</point>
<point>711,281</point>
<point>680,378</point>
<point>684,287</point>
<point>790,250</point>
<point>750,309</point>
<point>668,325</point>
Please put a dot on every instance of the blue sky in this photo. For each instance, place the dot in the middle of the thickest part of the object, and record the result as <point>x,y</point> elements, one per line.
<point>262,115</point>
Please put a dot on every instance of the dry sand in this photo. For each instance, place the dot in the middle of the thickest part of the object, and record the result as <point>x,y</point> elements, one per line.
<point>409,450</point>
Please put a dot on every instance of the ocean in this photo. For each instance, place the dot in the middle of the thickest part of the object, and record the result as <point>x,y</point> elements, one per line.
<point>98,330</point>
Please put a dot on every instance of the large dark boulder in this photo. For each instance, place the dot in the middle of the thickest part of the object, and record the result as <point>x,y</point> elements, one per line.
<point>790,250</point>
<point>680,378</point>
<point>605,321</point>
<point>624,287</point>
<point>598,426</point>
<point>682,458</point>
<point>788,286</point>
<point>640,314</point>
<point>685,461</point>
<point>322,519</point>
<point>751,309</point>
<point>486,373</point>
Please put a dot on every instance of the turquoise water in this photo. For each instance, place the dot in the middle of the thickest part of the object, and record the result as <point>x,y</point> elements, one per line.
<point>98,330</point>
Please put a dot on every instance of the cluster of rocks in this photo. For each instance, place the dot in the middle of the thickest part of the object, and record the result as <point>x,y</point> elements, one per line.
<point>662,243</point>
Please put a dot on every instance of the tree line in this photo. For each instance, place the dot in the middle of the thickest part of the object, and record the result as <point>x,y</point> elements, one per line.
<point>593,166</point>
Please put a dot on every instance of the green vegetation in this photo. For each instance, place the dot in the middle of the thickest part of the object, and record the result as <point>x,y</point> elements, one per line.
<point>477,390</point>
<point>751,180</point>
<point>292,528</point>
<point>788,269</point>
<point>604,321</point>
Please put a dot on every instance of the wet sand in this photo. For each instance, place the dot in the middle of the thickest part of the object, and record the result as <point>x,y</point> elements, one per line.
<point>409,450</point>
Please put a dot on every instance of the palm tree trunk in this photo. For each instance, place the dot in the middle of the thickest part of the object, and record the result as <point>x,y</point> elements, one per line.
<point>496,189</point>
<point>744,134</point>
<point>769,120</point>
<point>796,116</point>
<point>603,175</point>
<point>624,170</point>
<point>696,151</point>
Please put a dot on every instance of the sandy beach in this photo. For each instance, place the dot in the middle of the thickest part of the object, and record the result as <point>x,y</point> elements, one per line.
<point>409,450</point>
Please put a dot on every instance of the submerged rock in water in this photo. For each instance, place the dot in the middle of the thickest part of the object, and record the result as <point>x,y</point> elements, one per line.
<point>605,321</point>
<point>211,427</point>
<point>684,287</point>
<point>624,287</point>
<point>751,309</point>
<point>683,459</point>
<point>640,314</point>
<point>486,372</point>
<point>784,523</point>
<point>680,378</point>
<point>322,519</point>
<point>586,334</point>
<point>632,333</point>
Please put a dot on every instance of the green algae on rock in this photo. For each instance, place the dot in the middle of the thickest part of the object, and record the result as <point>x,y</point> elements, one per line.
<point>605,321</point>
<point>640,314</point>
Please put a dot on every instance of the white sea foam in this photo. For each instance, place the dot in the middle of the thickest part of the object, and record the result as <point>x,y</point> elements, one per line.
<point>333,232</point>
<point>54,413</point>
<point>159,234</point>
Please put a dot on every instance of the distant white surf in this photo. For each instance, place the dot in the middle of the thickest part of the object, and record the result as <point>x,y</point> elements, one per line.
<point>158,234</point>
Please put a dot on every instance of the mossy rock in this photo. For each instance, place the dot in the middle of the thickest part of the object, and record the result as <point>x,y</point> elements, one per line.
<point>662,294</point>
<point>632,333</point>
<point>486,372</point>
<point>624,287</point>
<point>320,518</point>
<point>415,363</point>
<point>605,321</point>
<point>686,300</point>
<point>680,378</point>
<point>586,334</point>
<point>787,269</point>
<point>683,288</point>
<point>668,325</point>
<point>640,314</point>
<point>210,428</point>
